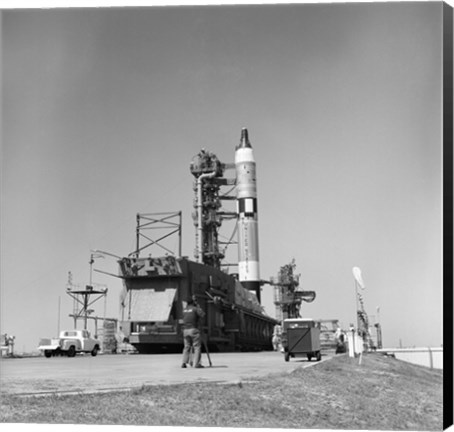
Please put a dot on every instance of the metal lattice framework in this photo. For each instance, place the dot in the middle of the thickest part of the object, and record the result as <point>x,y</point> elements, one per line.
<point>83,299</point>
<point>287,296</point>
<point>168,222</point>
<point>208,214</point>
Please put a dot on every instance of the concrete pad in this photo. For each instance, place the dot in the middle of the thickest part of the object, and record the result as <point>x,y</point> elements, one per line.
<point>87,374</point>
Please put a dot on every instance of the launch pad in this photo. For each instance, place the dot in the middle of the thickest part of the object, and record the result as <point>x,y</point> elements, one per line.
<point>36,376</point>
<point>156,286</point>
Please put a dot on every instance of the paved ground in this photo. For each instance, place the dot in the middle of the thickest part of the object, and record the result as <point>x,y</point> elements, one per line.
<point>84,373</point>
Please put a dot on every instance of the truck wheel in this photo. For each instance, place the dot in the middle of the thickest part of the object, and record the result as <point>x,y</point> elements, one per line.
<point>48,354</point>
<point>309,357</point>
<point>95,351</point>
<point>72,351</point>
<point>319,355</point>
<point>287,356</point>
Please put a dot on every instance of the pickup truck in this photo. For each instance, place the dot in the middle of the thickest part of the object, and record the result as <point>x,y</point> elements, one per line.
<point>69,343</point>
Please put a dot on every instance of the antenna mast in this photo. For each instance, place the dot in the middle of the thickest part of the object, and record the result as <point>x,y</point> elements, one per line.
<point>82,299</point>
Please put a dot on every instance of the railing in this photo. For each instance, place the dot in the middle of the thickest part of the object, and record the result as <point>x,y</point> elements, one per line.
<point>424,356</point>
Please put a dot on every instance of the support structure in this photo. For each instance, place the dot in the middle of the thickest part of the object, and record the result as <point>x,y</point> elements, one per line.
<point>169,223</point>
<point>287,296</point>
<point>363,326</point>
<point>208,214</point>
<point>82,300</point>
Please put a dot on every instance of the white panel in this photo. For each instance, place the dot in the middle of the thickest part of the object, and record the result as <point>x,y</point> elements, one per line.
<point>248,248</point>
<point>248,271</point>
<point>249,205</point>
<point>151,305</point>
<point>244,155</point>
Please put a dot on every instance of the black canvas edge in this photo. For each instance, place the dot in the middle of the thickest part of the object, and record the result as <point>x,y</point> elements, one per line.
<point>448,304</point>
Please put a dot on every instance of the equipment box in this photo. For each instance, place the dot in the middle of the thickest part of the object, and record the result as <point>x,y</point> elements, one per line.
<point>301,337</point>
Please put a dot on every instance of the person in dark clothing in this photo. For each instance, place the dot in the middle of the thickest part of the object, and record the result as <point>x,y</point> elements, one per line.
<point>192,317</point>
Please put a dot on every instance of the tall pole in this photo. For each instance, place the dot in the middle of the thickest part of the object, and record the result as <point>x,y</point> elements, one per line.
<point>179,237</point>
<point>357,305</point>
<point>58,320</point>
<point>137,235</point>
<point>378,327</point>
<point>86,311</point>
<point>91,270</point>
<point>104,322</point>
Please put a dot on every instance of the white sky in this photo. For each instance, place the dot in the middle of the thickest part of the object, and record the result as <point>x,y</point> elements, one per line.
<point>103,111</point>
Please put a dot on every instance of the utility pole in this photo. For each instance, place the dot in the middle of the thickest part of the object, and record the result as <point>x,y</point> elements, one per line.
<point>58,320</point>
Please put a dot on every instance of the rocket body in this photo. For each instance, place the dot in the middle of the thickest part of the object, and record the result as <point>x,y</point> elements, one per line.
<point>246,200</point>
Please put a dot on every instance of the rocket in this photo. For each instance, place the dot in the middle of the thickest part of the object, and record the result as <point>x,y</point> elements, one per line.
<point>246,201</point>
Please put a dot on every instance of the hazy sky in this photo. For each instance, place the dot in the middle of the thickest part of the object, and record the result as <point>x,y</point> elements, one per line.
<point>103,111</point>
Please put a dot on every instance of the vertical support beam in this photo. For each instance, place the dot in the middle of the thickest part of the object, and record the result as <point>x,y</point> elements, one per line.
<point>357,305</point>
<point>431,358</point>
<point>58,321</point>
<point>104,322</point>
<point>180,233</point>
<point>137,235</point>
<point>86,311</point>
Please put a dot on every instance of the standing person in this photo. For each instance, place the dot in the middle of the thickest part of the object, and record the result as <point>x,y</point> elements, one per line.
<point>192,317</point>
<point>276,339</point>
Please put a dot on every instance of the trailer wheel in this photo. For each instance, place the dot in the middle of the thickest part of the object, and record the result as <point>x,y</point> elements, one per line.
<point>309,357</point>
<point>287,356</point>
<point>319,355</point>
<point>72,351</point>
<point>48,353</point>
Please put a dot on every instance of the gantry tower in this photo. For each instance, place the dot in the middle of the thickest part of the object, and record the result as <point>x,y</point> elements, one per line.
<point>208,214</point>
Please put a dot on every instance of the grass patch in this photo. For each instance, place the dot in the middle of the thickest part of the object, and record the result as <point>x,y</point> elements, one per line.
<point>381,393</point>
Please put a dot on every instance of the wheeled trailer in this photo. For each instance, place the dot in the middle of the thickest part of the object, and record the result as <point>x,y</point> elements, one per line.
<point>301,337</point>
